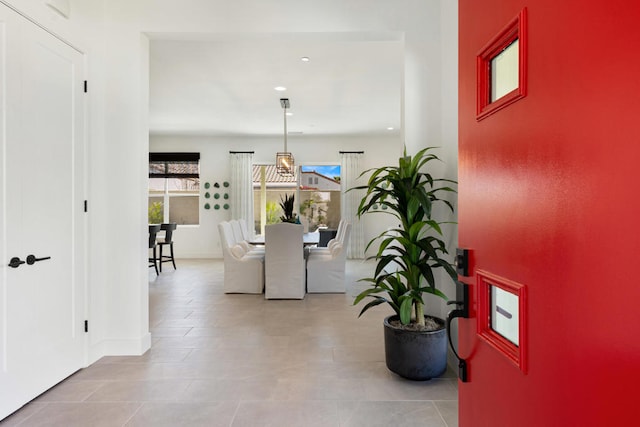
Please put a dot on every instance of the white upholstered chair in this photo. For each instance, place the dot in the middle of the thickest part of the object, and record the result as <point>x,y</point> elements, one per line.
<point>243,270</point>
<point>245,230</point>
<point>337,239</point>
<point>237,230</point>
<point>325,270</point>
<point>284,262</point>
<point>240,237</point>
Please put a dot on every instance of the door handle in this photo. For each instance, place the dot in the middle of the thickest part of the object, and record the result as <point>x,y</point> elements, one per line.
<point>462,310</point>
<point>31,259</point>
<point>15,262</point>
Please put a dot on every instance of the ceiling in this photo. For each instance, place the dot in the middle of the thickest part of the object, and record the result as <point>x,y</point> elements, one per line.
<point>224,85</point>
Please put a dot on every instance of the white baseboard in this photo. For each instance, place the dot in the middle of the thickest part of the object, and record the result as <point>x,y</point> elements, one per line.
<point>200,255</point>
<point>119,347</point>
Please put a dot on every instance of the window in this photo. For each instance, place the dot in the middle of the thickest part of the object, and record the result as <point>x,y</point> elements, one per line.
<point>502,68</point>
<point>502,320</point>
<point>174,188</point>
<point>504,72</point>
<point>317,195</point>
<point>320,204</point>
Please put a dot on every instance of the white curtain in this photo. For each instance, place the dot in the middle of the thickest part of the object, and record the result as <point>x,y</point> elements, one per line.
<point>349,172</point>
<point>241,190</point>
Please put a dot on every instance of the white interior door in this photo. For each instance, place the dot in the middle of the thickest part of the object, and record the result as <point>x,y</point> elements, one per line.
<point>42,305</point>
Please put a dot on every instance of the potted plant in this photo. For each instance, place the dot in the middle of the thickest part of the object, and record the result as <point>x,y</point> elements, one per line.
<point>415,344</point>
<point>287,208</point>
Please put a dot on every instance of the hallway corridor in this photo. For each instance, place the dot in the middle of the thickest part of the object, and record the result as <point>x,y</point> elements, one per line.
<point>240,360</point>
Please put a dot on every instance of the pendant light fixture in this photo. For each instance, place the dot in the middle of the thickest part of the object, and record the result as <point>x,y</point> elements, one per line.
<point>285,164</point>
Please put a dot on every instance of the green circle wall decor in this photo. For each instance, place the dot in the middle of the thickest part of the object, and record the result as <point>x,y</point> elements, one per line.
<point>216,206</point>
<point>226,206</point>
<point>207,185</point>
<point>226,184</point>
<point>216,196</point>
<point>207,195</point>
<point>207,206</point>
<point>226,196</point>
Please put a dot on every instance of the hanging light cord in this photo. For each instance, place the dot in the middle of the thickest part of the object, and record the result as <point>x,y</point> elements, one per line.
<point>285,128</point>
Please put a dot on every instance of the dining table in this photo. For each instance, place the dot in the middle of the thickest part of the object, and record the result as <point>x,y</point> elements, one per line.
<point>308,239</point>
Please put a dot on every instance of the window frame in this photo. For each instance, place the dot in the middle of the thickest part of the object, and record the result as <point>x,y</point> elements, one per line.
<point>172,159</point>
<point>514,30</point>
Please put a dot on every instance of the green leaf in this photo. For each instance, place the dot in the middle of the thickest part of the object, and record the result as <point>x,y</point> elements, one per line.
<point>405,311</point>
<point>437,292</point>
<point>377,301</point>
<point>435,225</point>
<point>365,294</point>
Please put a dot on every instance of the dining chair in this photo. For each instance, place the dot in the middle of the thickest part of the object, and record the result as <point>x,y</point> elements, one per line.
<point>243,270</point>
<point>168,240</point>
<point>326,270</point>
<point>153,232</point>
<point>284,264</point>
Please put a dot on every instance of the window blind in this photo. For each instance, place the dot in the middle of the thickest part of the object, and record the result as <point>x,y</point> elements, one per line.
<point>174,165</point>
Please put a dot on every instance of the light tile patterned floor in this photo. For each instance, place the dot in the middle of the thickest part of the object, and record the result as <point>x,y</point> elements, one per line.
<point>239,360</point>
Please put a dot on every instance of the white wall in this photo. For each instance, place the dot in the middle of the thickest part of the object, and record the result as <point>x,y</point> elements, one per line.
<point>117,67</point>
<point>203,241</point>
<point>449,126</point>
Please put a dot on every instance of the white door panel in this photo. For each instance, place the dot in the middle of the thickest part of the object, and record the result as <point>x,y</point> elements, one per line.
<point>42,305</point>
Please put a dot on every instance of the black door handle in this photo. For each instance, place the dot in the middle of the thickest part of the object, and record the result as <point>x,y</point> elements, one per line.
<point>462,310</point>
<point>15,262</point>
<point>31,259</point>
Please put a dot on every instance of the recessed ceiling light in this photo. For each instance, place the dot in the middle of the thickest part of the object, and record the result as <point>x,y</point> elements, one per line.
<point>305,59</point>
<point>280,88</point>
<point>390,128</point>
<point>289,114</point>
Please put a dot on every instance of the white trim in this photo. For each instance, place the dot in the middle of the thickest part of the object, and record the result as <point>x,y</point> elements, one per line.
<point>33,21</point>
<point>120,347</point>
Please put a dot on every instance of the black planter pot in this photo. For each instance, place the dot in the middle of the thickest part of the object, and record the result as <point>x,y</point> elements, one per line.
<point>415,355</point>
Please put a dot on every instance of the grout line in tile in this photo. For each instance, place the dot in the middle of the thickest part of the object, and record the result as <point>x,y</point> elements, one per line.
<point>133,415</point>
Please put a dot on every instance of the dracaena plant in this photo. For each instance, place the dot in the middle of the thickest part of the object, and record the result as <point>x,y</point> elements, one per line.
<point>408,255</point>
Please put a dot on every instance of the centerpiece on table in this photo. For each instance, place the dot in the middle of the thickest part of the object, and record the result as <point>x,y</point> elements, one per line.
<point>287,208</point>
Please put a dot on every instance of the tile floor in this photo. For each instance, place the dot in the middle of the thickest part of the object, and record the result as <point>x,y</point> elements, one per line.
<point>239,360</point>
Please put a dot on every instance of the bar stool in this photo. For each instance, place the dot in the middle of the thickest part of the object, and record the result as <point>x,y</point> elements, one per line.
<point>168,240</point>
<point>153,232</point>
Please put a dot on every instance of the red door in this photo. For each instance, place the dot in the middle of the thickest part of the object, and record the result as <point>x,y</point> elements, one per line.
<point>549,196</point>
